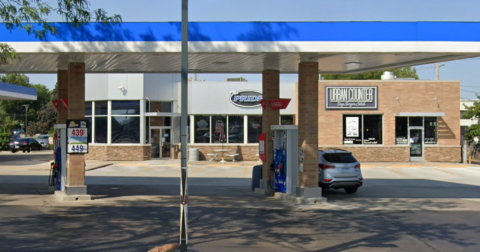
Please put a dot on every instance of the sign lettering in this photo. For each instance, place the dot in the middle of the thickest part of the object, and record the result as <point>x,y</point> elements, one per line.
<point>351,97</point>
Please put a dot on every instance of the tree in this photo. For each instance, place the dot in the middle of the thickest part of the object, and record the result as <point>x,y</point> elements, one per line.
<point>472,112</point>
<point>32,17</point>
<point>403,72</point>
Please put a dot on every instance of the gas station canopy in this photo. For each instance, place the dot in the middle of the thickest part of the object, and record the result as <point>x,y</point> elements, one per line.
<point>14,92</point>
<point>244,47</point>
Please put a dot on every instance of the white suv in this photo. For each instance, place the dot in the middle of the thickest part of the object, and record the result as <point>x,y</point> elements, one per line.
<point>339,169</point>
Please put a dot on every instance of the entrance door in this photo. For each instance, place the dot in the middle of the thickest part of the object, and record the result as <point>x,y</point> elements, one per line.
<point>416,145</point>
<point>160,140</point>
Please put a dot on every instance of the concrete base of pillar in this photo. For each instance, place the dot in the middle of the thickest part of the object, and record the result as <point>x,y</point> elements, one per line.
<point>265,188</point>
<point>309,192</point>
<point>73,193</point>
<point>300,200</point>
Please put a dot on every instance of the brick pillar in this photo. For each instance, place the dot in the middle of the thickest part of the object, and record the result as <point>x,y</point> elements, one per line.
<point>76,110</point>
<point>62,89</point>
<point>308,128</point>
<point>270,90</point>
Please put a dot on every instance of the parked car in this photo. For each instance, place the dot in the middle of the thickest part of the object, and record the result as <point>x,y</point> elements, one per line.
<point>43,140</point>
<point>339,169</point>
<point>24,144</point>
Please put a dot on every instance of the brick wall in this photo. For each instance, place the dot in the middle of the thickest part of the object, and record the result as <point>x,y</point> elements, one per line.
<point>376,154</point>
<point>270,90</point>
<point>118,153</point>
<point>413,96</point>
<point>308,127</point>
<point>443,154</point>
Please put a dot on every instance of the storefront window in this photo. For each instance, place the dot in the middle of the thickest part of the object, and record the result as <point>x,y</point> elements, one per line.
<point>352,129</point>
<point>89,120</point>
<point>401,130</point>
<point>372,129</point>
<point>125,107</point>
<point>202,129</point>
<point>160,106</point>
<point>287,120</point>
<point>101,129</point>
<point>125,129</point>
<point>254,128</point>
<point>235,129</point>
<point>218,129</point>
<point>415,121</point>
<point>101,108</point>
<point>430,130</point>
<point>88,108</point>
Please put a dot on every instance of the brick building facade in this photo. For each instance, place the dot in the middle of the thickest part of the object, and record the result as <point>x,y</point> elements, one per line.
<point>426,107</point>
<point>390,121</point>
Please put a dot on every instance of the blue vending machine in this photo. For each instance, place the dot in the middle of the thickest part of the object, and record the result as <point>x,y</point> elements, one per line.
<point>280,165</point>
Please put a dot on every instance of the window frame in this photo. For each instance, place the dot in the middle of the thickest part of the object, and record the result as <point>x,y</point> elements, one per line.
<point>362,129</point>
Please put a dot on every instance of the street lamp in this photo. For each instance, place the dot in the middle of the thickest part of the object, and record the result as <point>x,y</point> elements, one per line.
<point>26,110</point>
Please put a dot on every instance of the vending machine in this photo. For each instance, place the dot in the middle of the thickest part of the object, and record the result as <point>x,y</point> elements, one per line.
<point>285,164</point>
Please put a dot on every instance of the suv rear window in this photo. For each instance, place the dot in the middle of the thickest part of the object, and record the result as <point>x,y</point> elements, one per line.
<point>339,157</point>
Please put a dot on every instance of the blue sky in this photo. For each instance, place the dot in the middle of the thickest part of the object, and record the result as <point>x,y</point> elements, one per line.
<point>306,10</point>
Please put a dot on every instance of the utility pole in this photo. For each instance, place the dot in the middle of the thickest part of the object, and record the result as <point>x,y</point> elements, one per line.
<point>437,70</point>
<point>26,110</point>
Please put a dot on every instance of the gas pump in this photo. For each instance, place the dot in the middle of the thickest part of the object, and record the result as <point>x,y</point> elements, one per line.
<point>285,147</point>
<point>54,180</point>
<point>58,171</point>
<point>280,169</point>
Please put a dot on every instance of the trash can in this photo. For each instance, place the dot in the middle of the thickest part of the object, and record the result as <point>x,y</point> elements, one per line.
<point>193,154</point>
<point>256,176</point>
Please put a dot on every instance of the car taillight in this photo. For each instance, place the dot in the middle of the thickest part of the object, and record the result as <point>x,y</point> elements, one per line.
<point>327,180</point>
<point>360,178</point>
<point>24,143</point>
<point>357,166</point>
<point>323,167</point>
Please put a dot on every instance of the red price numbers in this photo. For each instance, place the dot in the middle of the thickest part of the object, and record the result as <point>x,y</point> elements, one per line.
<point>78,132</point>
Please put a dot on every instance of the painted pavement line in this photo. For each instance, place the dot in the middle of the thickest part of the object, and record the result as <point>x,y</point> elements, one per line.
<point>198,169</point>
<point>148,169</point>
<point>392,170</point>
<point>245,170</point>
<point>133,164</point>
<point>444,171</point>
<point>452,166</point>
<point>406,166</point>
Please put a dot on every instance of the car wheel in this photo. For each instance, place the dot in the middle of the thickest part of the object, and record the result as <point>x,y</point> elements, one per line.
<point>29,149</point>
<point>351,190</point>
<point>13,151</point>
<point>23,151</point>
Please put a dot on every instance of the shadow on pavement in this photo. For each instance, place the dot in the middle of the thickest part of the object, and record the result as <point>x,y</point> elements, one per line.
<point>139,228</point>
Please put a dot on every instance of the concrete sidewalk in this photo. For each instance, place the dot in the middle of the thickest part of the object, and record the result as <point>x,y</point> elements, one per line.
<point>97,164</point>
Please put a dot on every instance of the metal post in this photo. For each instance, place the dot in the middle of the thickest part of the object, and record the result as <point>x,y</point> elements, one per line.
<point>26,111</point>
<point>183,131</point>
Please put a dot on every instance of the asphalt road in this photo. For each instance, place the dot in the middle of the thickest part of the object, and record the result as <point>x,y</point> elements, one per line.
<point>136,207</point>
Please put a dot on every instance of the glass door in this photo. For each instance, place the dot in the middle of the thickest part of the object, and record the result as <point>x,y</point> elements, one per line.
<point>155,141</point>
<point>416,144</point>
<point>160,140</point>
<point>166,145</point>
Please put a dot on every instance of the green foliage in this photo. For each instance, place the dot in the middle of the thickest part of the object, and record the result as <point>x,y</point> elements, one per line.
<point>4,141</point>
<point>472,112</point>
<point>472,132</point>
<point>404,72</point>
<point>41,113</point>
<point>23,14</point>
